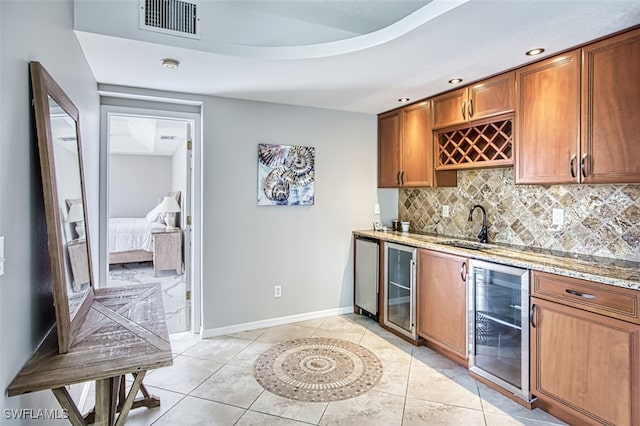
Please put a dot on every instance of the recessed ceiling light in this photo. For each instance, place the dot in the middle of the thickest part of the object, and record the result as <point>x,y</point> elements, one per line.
<point>455,81</point>
<point>404,100</point>
<point>534,52</point>
<point>170,63</point>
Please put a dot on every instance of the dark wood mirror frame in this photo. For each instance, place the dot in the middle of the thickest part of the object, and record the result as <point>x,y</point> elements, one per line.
<point>69,313</point>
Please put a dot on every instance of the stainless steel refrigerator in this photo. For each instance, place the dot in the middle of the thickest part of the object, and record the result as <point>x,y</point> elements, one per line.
<point>367,280</point>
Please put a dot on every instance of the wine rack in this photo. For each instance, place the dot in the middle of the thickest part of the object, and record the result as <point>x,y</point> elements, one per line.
<point>483,145</point>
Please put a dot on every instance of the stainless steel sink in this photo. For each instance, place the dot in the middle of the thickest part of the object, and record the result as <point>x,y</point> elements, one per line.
<point>469,245</point>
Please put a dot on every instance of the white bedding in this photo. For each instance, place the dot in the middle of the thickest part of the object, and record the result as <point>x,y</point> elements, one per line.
<point>126,234</point>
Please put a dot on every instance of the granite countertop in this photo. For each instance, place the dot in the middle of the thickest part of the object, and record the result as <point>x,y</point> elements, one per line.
<point>616,272</point>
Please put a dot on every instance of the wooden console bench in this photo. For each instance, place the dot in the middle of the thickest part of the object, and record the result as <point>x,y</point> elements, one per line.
<point>125,332</point>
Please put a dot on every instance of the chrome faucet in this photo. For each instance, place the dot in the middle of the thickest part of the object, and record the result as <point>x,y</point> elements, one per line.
<point>483,232</point>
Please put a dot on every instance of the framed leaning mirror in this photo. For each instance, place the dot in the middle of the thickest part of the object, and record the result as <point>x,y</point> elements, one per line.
<point>59,145</point>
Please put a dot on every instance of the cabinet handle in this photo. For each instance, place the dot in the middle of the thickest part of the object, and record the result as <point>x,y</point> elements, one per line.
<point>582,165</point>
<point>463,271</point>
<point>531,311</point>
<point>572,166</point>
<point>583,295</point>
<point>402,178</point>
<point>470,108</point>
<point>398,178</point>
<point>464,117</point>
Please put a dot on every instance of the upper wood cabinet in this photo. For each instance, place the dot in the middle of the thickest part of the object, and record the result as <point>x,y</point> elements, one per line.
<point>576,115</point>
<point>610,143</point>
<point>389,149</point>
<point>487,98</point>
<point>442,301</point>
<point>405,149</point>
<point>547,130</point>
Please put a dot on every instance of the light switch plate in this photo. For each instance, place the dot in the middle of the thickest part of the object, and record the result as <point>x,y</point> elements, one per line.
<point>445,211</point>
<point>557,217</point>
<point>1,256</point>
<point>376,209</point>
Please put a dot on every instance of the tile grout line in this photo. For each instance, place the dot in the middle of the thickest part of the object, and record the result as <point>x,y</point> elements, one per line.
<point>406,390</point>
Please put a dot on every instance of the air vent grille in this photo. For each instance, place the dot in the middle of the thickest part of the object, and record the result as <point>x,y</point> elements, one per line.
<point>175,17</point>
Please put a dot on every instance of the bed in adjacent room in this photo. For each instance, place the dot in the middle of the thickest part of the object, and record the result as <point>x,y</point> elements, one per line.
<point>131,239</point>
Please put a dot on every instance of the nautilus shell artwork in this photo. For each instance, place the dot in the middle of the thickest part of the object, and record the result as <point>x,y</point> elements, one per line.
<point>286,175</point>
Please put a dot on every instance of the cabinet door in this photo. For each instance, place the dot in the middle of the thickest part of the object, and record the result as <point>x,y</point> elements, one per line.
<point>417,146</point>
<point>389,149</point>
<point>585,364</point>
<point>450,109</point>
<point>442,300</point>
<point>492,97</point>
<point>548,120</point>
<point>611,104</point>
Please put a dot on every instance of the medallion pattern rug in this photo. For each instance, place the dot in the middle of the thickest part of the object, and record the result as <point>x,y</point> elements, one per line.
<point>318,370</point>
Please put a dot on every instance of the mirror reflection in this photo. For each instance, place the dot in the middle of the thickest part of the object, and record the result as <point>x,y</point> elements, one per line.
<point>59,146</point>
<point>67,167</point>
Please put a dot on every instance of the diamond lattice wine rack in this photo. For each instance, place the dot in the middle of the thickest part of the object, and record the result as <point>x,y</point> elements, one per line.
<point>482,145</point>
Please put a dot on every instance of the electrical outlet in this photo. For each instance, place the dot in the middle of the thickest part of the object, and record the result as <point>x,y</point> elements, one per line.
<point>277,291</point>
<point>557,217</point>
<point>445,211</point>
<point>376,209</point>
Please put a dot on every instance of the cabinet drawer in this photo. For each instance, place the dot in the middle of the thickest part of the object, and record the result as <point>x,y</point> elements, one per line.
<point>604,299</point>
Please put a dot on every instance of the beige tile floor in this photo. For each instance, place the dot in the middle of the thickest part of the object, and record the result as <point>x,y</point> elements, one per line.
<point>211,383</point>
<point>173,289</point>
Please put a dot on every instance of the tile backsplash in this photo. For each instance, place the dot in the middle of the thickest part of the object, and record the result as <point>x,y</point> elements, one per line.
<point>600,220</point>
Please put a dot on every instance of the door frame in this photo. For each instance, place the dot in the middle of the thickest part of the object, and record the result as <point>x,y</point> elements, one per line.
<point>193,201</point>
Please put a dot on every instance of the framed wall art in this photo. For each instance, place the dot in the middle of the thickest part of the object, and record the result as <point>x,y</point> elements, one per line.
<point>286,175</point>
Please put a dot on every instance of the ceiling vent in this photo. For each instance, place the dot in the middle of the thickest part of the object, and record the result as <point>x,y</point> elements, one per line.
<point>175,17</point>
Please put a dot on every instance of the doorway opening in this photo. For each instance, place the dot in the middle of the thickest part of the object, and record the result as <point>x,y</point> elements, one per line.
<point>147,204</point>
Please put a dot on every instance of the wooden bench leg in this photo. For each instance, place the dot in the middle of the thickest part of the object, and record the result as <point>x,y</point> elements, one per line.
<point>127,402</point>
<point>125,406</point>
<point>66,402</point>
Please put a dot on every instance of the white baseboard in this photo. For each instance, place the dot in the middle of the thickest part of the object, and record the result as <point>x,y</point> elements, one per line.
<point>237,328</point>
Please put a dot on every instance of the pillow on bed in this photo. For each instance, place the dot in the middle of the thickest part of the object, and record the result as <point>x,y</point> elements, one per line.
<point>155,215</point>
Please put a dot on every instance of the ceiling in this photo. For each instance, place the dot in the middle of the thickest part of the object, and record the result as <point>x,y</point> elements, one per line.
<point>352,55</point>
<point>138,135</point>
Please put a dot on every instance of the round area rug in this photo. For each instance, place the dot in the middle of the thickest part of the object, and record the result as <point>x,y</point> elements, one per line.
<point>318,369</point>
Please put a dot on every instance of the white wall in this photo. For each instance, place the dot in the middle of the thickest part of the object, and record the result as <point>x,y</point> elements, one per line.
<point>137,182</point>
<point>34,30</point>
<point>308,250</point>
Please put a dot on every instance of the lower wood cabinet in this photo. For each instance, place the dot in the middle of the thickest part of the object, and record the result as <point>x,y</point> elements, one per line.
<point>585,366</point>
<point>442,301</point>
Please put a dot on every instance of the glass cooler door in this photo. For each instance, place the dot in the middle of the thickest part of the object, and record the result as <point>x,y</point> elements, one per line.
<point>399,291</point>
<point>500,344</point>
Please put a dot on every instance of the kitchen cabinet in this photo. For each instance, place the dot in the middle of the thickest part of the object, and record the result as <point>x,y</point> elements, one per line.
<point>585,361</point>
<point>405,149</point>
<point>610,107</point>
<point>442,301</point>
<point>389,149</point>
<point>577,115</point>
<point>547,130</point>
<point>490,97</point>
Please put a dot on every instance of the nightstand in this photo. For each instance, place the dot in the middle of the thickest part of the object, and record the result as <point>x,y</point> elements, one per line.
<point>79,260</point>
<point>167,251</point>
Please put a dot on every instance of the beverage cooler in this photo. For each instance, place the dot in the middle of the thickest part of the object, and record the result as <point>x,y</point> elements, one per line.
<point>400,289</point>
<point>498,325</point>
